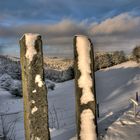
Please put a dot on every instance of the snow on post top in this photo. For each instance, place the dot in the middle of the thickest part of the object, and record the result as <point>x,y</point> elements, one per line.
<point>81,36</point>
<point>83,47</point>
<point>30,44</point>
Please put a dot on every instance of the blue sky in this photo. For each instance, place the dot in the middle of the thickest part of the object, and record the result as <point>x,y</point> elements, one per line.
<point>111,24</point>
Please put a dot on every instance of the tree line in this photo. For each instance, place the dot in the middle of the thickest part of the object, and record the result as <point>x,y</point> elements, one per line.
<point>108,59</point>
<point>136,54</point>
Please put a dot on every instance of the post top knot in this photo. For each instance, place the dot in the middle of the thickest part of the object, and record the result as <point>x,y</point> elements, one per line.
<point>30,35</point>
<point>84,36</point>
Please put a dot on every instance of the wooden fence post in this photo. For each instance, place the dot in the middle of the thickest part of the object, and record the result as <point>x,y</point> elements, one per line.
<point>98,112</point>
<point>85,89</point>
<point>34,88</point>
<point>137,97</point>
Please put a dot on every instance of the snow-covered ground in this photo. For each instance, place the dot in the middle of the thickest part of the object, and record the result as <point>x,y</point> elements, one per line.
<point>124,128</point>
<point>114,87</point>
<point>11,116</point>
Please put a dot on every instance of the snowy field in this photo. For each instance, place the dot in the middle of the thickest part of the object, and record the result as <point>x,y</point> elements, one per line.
<point>124,128</point>
<point>114,87</point>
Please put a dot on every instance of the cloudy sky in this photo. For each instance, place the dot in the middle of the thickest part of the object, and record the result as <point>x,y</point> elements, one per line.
<point>111,24</point>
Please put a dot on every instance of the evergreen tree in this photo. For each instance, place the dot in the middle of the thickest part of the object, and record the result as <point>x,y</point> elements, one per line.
<point>118,57</point>
<point>136,54</point>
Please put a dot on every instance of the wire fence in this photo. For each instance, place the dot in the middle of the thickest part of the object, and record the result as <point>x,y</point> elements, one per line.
<point>61,117</point>
<point>12,124</point>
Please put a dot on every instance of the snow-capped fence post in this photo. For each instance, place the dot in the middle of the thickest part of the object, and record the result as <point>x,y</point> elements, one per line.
<point>85,89</point>
<point>34,88</point>
<point>137,97</point>
<point>98,113</point>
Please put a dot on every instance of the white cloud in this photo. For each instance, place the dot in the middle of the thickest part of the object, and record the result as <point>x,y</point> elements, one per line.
<point>122,23</point>
<point>119,32</point>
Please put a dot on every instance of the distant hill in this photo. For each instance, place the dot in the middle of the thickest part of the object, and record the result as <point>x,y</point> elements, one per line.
<point>56,69</point>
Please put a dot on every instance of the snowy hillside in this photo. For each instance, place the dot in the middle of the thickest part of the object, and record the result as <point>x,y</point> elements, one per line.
<point>58,63</point>
<point>114,86</point>
<point>56,69</point>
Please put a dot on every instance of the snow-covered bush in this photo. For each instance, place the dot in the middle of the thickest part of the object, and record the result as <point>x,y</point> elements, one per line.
<point>102,61</point>
<point>118,57</point>
<point>11,85</point>
<point>50,85</point>
<point>10,67</point>
<point>105,59</point>
<point>16,88</point>
<point>5,81</point>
